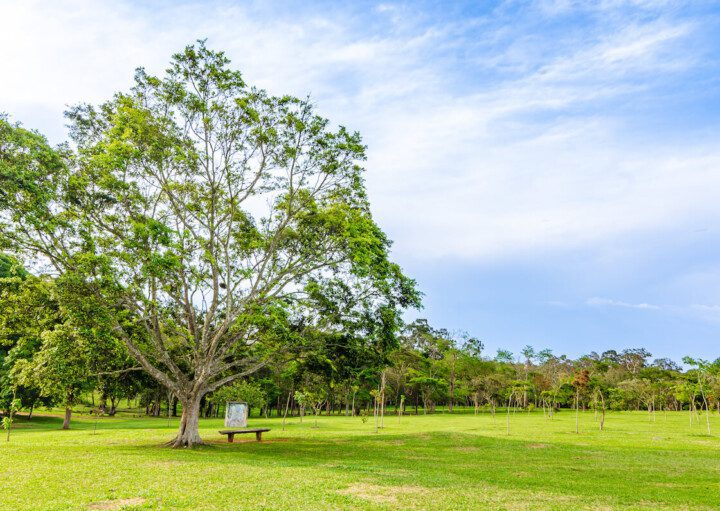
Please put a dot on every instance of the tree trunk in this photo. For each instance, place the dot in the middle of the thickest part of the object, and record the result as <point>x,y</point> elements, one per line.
<point>451,401</point>
<point>577,411</point>
<point>188,433</point>
<point>169,396</point>
<point>66,420</point>
<point>103,403</point>
<point>287,405</point>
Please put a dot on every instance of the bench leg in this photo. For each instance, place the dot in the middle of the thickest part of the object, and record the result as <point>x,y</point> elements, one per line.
<point>258,436</point>
<point>231,437</point>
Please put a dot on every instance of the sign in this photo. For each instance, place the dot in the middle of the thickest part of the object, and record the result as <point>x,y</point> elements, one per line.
<point>236,415</point>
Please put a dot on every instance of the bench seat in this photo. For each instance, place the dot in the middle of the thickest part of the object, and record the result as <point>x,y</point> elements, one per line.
<point>232,432</point>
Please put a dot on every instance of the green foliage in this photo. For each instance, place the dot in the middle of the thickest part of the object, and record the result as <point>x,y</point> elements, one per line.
<point>210,226</point>
<point>8,420</point>
<point>250,393</point>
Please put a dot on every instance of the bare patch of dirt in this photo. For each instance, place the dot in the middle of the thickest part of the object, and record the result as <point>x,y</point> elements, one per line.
<point>117,503</point>
<point>667,485</point>
<point>538,446</point>
<point>170,464</point>
<point>467,449</point>
<point>383,494</point>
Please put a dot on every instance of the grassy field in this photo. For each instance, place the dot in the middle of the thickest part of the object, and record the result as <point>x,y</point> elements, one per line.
<point>434,462</point>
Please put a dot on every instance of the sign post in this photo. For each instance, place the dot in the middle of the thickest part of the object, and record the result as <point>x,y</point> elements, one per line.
<point>236,415</point>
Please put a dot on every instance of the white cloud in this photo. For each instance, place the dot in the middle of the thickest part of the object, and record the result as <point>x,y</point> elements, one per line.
<point>486,139</point>
<point>606,302</point>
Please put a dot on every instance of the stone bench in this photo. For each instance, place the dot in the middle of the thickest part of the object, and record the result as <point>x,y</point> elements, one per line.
<point>232,432</point>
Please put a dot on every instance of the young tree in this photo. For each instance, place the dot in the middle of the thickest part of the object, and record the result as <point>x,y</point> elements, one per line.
<point>59,368</point>
<point>702,374</point>
<point>504,356</point>
<point>8,420</point>
<point>17,318</point>
<point>599,391</point>
<point>204,223</point>
<point>580,382</point>
<point>529,354</point>
<point>248,392</point>
<point>634,359</point>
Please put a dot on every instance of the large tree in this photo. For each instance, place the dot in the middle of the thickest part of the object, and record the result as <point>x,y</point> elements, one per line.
<point>205,223</point>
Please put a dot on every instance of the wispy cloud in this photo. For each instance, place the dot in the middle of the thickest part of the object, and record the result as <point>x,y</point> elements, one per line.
<point>503,134</point>
<point>606,302</point>
<point>491,134</point>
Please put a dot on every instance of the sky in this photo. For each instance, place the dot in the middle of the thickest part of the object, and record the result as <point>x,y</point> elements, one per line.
<point>549,171</point>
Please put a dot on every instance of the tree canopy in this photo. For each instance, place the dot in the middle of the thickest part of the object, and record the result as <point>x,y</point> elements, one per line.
<point>209,225</point>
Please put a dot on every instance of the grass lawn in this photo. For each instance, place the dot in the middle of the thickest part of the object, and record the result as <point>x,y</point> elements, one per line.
<point>434,462</point>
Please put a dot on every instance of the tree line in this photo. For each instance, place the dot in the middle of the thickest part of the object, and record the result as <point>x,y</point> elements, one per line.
<point>46,361</point>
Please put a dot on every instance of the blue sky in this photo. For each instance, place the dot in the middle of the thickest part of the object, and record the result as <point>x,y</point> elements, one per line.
<point>549,170</point>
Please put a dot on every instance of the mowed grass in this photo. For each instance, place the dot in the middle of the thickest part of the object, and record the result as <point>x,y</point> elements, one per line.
<point>434,462</point>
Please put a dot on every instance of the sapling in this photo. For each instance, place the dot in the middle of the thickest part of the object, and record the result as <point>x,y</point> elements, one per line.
<point>381,396</point>
<point>507,425</point>
<point>702,373</point>
<point>375,394</point>
<point>355,389</point>
<point>317,405</point>
<point>301,398</point>
<point>287,404</point>
<point>8,421</point>
<point>580,381</point>
<point>511,400</point>
<point>95,413</point>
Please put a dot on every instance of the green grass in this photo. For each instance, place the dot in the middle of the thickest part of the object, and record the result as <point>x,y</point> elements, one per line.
<point>434,462</point>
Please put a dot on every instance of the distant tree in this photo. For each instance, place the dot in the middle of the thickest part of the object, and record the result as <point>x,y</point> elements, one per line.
<point>544,355</point>
<point>59,368</point>
<point>504,356</point>
<point>428,386</point>
<point>610,356</point>
<point>473,346</point>
<point>666,364</point>
<point>28,310</point>
<point>634,359</point>
<point>242,391</point>
<point>580,382</point>
<point>600,392</point>
<point>702,376</point>
<point>529,354</point>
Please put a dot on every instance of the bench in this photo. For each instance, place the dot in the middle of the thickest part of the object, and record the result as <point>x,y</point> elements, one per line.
<point>232,432</point>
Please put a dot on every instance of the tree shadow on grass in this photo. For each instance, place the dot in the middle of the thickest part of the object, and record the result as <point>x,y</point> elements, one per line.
<point>37,422</point>
<point>459,461</point>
